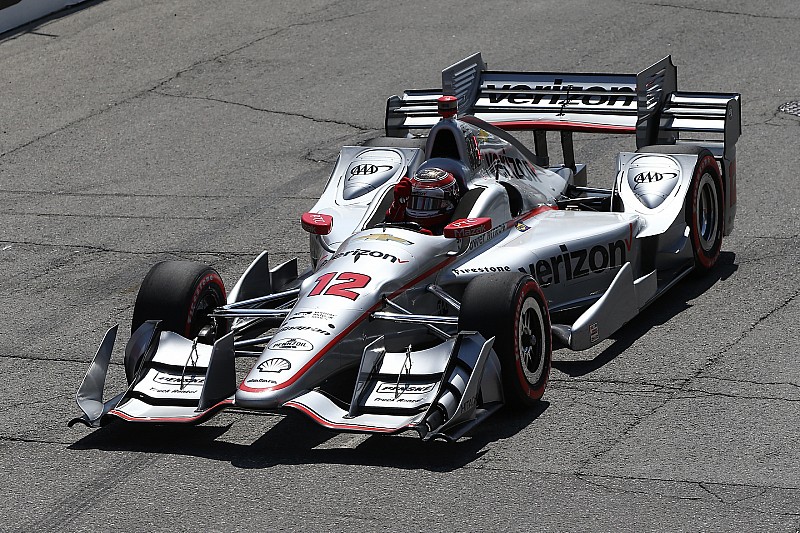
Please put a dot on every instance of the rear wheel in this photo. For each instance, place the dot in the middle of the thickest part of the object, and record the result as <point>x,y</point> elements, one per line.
<point>511,308</point>
<point>704,205</point>
<point>705,202</point>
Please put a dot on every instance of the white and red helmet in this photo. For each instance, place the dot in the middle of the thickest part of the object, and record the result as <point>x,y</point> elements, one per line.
<point>434,196</point>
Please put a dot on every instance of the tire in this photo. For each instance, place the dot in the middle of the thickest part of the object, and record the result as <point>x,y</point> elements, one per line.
<point>705,203</point>
<point>181,294</point>
<point>704,212</point>
<point>510,307</point>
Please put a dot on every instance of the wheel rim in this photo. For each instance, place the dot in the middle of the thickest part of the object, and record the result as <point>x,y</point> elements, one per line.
<point>531,341</point>
<point>208,302</point>
<point>707,212</point>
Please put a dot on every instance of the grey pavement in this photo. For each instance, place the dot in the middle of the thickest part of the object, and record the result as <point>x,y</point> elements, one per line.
<point>134,131</point>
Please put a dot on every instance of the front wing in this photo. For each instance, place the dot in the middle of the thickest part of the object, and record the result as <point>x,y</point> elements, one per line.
<point>441,392</point>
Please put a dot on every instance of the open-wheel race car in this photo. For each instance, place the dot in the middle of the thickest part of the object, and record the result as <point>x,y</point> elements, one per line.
<point>401,325</point>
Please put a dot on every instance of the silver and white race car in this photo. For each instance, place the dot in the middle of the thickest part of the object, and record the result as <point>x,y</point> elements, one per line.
<point>392,329</point>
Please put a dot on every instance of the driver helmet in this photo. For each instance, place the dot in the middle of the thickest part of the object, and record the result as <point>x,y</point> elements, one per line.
<point>434,196</point>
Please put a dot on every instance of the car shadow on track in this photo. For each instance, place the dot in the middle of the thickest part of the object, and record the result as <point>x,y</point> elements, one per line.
<point>672,303</point>
<point>294,439</point>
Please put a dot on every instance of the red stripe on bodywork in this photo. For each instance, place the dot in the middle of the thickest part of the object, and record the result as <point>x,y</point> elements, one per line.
<point>243,386</point>
<point>345,427</point>
<point>208,412</point>
<point>345,332</point>
<point>530,214</point>
<point>524,125</point>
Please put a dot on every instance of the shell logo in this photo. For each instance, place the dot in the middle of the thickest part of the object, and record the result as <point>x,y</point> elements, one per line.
<point>276,364</point>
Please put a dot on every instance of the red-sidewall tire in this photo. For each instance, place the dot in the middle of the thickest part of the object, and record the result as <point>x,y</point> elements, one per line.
<point>705,202</point>
<point>705,212</point>
<point>181,294</point>
<point>511,308</point>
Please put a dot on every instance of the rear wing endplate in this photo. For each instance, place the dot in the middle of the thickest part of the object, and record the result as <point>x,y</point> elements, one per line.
<point>646,104</point>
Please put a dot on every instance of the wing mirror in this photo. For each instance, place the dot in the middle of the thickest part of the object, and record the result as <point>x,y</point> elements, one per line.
<point>467,227</point>
<point>317,223</point>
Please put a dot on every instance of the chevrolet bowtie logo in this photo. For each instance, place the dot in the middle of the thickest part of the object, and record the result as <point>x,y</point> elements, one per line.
<point>384,237</point>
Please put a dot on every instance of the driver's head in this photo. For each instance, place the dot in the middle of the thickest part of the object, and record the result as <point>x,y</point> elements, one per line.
<point>434,196</point>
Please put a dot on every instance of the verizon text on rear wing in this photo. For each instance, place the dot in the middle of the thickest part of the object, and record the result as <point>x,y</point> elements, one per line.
<point>647,104</point>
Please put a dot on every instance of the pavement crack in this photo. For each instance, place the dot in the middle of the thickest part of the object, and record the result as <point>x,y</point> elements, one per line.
<point>153,88</point>
<point>177,253</point>
<point>6,438</point>
<point>265,110</point>
<point>74,507</point>
<point>678,393</point>
<point>706,488</point>
<point>126,195</point>
<point>752,382</point>
<point>716,11</point>
<point>50,360</point>
<point>713,358</point>
<point>125,217</point>
<point>595,483</point>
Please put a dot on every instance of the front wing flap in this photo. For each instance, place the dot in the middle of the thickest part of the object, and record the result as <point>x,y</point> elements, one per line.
<point>178,380</point>
<point>440,392</point>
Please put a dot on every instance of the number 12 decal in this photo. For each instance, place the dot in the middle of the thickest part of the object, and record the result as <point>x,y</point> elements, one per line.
<point>345,282</point>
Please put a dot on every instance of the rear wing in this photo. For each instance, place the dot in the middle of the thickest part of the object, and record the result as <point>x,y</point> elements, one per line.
<point>647,104</point>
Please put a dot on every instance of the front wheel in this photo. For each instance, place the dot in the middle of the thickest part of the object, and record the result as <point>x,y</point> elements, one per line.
<point>511,308</point>
<point>181,294</point>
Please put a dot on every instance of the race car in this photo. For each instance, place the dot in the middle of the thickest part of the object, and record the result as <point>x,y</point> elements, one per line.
<point>396,326</point>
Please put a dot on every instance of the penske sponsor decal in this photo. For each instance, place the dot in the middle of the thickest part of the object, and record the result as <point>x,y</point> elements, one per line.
<point>305,328</point>
<point>404,388</point>
<point>180,381</point>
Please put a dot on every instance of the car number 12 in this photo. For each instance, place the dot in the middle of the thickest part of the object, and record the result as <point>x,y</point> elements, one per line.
<point>344,281</point>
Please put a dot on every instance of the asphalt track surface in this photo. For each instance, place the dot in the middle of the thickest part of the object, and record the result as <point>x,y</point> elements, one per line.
<point>135,131</point>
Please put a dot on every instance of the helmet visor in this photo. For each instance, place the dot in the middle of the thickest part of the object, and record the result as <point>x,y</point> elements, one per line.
<point>426,203</point>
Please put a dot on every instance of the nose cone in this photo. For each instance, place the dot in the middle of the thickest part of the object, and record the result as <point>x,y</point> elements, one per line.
<point>297,358</point>
<point>325,331</point>
<point>308,348</point>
